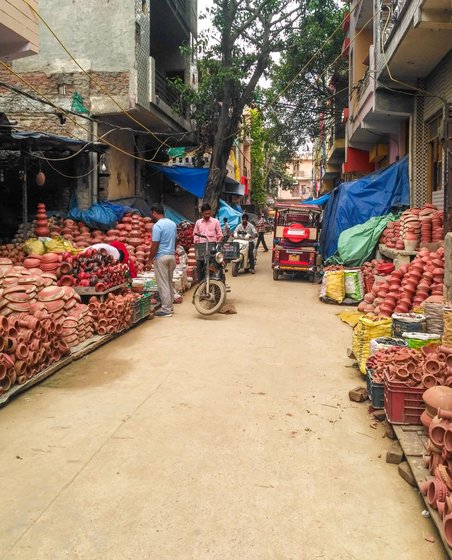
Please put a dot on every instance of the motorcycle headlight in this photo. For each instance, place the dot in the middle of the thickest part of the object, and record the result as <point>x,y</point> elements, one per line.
<point>219,257</point>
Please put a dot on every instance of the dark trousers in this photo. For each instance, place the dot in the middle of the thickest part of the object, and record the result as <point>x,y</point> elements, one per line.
<point>251,254</point>
<point>261,239</point>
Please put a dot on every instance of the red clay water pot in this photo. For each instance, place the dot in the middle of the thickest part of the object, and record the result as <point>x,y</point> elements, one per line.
<point>21,351</point>
<point>447,528</point>
<point>437,431</point>
<point>20,367</point>
<point>5,384</point>
<point>432,365</point>
<point>448,440</point>
<point>437,492</point>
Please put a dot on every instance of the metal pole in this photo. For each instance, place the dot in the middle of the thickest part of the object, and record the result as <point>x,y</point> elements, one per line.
<point>448,168</point>
<point>23,177</point>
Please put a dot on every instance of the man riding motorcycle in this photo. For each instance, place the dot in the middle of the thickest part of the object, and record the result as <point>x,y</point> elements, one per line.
<point>246,230</point>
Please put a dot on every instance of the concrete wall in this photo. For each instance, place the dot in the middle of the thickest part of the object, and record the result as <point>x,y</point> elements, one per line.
<point>107,29</point>
<point>121,182</point>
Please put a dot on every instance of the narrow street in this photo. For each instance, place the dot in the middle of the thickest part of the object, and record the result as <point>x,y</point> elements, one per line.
<point>227,438</point>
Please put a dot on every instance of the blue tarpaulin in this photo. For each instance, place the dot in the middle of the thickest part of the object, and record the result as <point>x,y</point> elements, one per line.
<point>356,202</point>
<point>225,211</point>
<point>104,215</point>
<point>318,201</point>
<point>174,215</point>
<point>191,179</point>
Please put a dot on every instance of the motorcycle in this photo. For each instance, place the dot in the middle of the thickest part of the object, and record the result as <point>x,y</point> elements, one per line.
<point>210,294</point>
<point>243,261</point>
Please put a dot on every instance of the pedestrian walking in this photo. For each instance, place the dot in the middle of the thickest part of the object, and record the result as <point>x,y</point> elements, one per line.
<point>210,227</point>
<point>163,248</point>
<point>261,233</point>
<point>226,229</point>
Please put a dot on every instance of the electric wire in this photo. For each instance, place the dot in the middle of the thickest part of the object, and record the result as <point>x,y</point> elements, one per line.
<point>60,109</point>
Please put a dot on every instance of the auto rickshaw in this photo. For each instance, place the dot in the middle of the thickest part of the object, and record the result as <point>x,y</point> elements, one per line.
<point>296,239</point>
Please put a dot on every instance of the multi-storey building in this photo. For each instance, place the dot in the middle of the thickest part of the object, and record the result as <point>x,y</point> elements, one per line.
<point>400,86</point>
<point>116,83</point>
<point>301,171</point>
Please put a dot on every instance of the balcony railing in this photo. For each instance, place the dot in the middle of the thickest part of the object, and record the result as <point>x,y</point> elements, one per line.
<point>167,94</point>
<point>391,14</point>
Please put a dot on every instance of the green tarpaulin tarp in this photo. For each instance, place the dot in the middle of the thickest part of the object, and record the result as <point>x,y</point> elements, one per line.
<point>356,244</point>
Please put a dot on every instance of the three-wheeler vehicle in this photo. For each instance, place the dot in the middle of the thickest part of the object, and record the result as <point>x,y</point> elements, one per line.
<point>296,239</point>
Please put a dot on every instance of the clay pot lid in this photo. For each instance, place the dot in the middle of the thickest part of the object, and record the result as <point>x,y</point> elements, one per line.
<point>50,257</point>
<point>51,293</point>
<point>70,303</point>
<point>19,306</point>
<point>50,276</point>
<point>438,397</point>
<point>54,306</point>
<point>68,292</point>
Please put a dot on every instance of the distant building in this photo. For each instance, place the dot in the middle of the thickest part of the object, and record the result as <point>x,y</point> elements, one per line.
<point>301,171</point>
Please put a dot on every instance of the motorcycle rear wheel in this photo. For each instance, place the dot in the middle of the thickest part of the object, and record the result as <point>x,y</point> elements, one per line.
<point>208,303</point>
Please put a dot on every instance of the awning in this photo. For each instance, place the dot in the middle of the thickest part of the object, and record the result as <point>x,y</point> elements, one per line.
<point>16,140</point>
<point>191,179</point>
<point>233,187</point>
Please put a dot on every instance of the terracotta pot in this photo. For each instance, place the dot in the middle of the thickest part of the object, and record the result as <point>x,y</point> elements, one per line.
<point>444,414</point>
<point>20,367</point>
<point>21,351</point>
<point>441,506</point>
<point>424,487</point>
<point>437,492</point>
<point>3,370</point>
<point>5,384</point>
<point>432,365</point>
<point>437,431</point>
<point>447,528</point>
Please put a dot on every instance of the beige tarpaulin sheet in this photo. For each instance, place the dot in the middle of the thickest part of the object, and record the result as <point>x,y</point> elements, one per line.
<point>350,317</point>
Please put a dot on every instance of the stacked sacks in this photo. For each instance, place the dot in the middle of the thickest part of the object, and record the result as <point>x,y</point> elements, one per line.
<point>114,314</point>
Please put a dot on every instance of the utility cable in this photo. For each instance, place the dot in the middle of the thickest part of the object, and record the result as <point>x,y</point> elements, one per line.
<point>61,110</point>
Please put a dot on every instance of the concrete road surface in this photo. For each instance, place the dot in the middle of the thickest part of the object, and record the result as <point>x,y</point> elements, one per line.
<point>230,438</point>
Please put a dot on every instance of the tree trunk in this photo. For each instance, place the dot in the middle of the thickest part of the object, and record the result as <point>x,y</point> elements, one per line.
<point>223,141</point>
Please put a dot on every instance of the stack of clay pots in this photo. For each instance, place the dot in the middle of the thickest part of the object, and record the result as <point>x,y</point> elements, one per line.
<point>191,263</point>
<point>437,421</point>
<point>185,235</point>
<point>42,227</point>
<point>410,229</point>
<point>92,268</point>
<point>114,314</point>
<point>49,262</point>
<point>409,286</point>
<point>424,225</point>
<point>77,325</point>
<point>28,346</point>
<point>429,367</point>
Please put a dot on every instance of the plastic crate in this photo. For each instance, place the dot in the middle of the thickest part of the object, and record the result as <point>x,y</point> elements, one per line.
<point>136,311</point>
<point>375,390</point>
<point>145,306</point>
<point>403,405</point>
<point>231,250</point>
<point>200,249</point>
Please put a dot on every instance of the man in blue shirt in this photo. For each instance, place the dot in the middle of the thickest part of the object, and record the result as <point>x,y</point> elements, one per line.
<point>162,256</point>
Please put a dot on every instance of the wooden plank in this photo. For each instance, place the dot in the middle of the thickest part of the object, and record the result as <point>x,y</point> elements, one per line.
<point>89,345</point>
<point>17,389</point>
<point>420,472</point>
<point>92,292</point>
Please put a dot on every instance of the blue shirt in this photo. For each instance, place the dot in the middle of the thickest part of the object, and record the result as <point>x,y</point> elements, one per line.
<point>165,232</point>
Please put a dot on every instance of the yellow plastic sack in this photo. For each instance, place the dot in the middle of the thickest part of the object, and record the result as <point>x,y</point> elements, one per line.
<point>335,285</point>
<point>33,247</point>
<point>59,245</point>
<point>368,328</point>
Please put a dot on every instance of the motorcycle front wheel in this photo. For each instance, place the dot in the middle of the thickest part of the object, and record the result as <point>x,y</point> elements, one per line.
<point>209,302</point>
